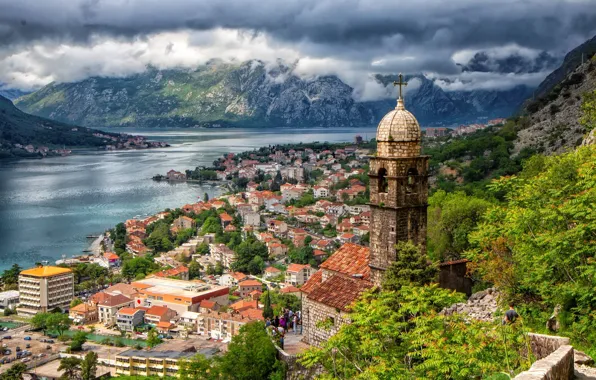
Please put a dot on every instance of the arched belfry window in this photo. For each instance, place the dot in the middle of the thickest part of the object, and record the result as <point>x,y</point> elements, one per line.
<point>382,178</point>
<point>411,187</point>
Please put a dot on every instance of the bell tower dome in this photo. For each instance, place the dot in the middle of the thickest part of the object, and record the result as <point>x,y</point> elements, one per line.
<point>398,187</point>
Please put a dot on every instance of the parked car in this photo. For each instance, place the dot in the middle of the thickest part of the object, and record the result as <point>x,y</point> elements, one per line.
<point>48,347</point>
<point>26,360</point>
<point>27,338</point>
<point>18,349</point>
<point>49,340</point>
<point>27,345</point>
<point>7,337</point>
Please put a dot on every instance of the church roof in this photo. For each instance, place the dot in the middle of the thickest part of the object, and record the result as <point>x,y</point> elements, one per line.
<point>312,282</point>
<point>398,125</point>
<point>339,291</point>
<point>349,259</point>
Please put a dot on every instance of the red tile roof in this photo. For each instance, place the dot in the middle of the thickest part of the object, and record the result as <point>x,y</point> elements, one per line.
<point>339,291</point>
<point>128,311</point>
<point>295,268</point>
<point>312,282</point>
<point>243,305</point>
<point>207,304</point>
<point>252,314</point>
<point>164,325</point>
<point>111,300</point>
<point>349,259</point>
<point>159,311</point>
<point>250,283</point>
<point>272,270</point>
<point>110,256</point>
<point>290,289</point>
<point>225,217</point>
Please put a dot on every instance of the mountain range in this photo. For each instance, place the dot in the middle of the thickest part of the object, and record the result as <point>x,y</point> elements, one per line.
<point>252,93</point>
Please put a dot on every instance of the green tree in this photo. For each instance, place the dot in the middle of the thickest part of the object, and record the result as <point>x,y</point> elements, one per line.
<point>89,366</point>
<point>71,367</point>
<point>538,246</point>
<point>15,372</point>
<point>410,267</point>
<point>58,322</point>
<point>10,277</point>
<point>301,255</point>
<point>247,251</point>
<point>138,265</point>
<point>267,309</point>
<point>203,249</point>
<point>78,339</point>
<point>40,321</point>
<point>152,338</point>
<point>194,269</point>
<point>76,301</point>
<point>451,219</point>
<point>197,367</point>
<point>402,335</point>
<point>255,364</point>
<point>588,119</point>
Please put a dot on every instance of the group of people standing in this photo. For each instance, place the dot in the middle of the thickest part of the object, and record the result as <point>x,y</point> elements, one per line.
<point>280,325</point>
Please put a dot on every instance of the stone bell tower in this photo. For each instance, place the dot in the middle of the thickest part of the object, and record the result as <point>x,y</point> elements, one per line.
<point>398,188</point>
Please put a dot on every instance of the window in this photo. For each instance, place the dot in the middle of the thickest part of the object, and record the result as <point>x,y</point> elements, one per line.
<point>382,180</point>
<point>411,185</point>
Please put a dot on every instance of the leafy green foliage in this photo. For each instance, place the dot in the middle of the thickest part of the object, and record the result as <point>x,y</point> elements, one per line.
<point>71,366</point>
<point>539,245</point>
<point>153,339</point>
<point>452,216</point>
<point>302,255</point>
<point>160,239</point>
<point>281,301</point>
<point>15,372</point>
<point>10,277</point>
<point>89,366</point>
<point>410,267</point>
<point>138,266</point>
<point>78,339</point>
<point>588,118</point>
<point>401,335</point>
<point>258,363</point>
<point>250,256</point>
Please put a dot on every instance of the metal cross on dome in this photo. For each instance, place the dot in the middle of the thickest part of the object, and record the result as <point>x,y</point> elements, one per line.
<point>401,83</point>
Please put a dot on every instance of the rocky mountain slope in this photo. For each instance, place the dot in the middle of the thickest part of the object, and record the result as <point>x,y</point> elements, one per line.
<point>553,119</point>
<point>249,94</point>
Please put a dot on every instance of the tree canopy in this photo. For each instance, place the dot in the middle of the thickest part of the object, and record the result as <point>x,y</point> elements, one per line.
<point>539,246</point>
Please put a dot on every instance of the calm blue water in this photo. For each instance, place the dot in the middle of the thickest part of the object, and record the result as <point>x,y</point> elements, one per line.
<point>49,206</point>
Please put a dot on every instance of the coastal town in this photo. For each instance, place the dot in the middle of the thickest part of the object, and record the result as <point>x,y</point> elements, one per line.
<point>110,142</point>
<point>196,274</point>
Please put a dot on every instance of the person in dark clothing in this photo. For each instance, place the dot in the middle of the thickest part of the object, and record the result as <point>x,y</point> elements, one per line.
<point>276,321</point>
<point>510,315</point>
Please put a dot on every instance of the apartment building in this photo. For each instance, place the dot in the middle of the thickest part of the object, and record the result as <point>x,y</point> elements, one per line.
<point>45,288</point>
<point>154,363</point>
<point>108,305</point>
<point>298,274</point>
<point>157,314</point>
<point>127,318</point>
<point>223,325</point>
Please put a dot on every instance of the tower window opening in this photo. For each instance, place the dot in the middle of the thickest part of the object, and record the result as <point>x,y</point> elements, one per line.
<point>382,178</point>
<point>411,185</point>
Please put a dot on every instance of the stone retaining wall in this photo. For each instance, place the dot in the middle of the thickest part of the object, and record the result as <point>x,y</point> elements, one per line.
<point>295,370</point>
<point>556,366</point>
<point>544,345</point>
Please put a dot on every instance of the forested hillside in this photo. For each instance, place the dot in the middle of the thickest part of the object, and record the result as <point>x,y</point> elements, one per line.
<point>17,127</point>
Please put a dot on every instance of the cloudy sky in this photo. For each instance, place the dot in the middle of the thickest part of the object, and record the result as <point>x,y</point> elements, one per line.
<point>461,44</point>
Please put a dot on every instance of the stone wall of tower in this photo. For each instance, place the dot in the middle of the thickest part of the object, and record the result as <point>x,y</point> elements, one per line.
<point>400,212</point>
<point>402,149</point>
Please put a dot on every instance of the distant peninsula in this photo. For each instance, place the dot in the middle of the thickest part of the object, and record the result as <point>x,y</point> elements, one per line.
<point>28,136</point>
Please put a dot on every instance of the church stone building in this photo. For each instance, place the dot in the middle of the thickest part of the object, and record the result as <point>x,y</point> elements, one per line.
<point>398,198</point>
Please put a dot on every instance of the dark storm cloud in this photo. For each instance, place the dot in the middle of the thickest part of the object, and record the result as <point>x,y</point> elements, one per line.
<point>457,24</point>
<point>463,40</point>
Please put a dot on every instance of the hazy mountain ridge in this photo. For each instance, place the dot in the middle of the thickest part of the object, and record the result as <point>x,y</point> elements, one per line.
<point>250,94</point>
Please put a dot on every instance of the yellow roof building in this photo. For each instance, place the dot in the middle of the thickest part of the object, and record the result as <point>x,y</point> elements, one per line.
<point>45,271</point>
